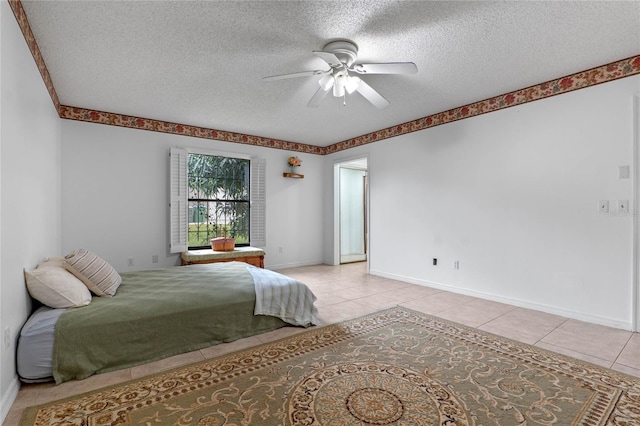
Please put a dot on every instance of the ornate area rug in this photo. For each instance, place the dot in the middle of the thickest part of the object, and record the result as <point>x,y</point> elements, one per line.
<point>395,367</point>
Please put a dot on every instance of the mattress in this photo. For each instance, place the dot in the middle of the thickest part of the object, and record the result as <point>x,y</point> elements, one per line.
<point>160,313</point>
<point>35,347</point>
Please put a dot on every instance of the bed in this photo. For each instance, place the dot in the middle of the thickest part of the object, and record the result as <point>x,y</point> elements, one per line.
<point>160,313</point>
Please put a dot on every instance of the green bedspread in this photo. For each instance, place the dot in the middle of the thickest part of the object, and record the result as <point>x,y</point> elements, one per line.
<point>156,314</point>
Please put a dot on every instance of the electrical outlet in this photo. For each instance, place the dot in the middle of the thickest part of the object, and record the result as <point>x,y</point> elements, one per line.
<point>130,261</point>
<point>623,206</point>
<point>603,206</point>
<point>6,338</point>
<point>154,258</point>
<point>456,264</point>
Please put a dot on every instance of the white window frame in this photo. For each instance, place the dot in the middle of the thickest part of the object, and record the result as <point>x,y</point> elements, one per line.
<point>178,197</point>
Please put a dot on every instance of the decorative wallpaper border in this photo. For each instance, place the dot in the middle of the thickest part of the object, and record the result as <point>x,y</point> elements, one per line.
<point>112,119</point>
<point>602,74</point>
<point>23,23</point>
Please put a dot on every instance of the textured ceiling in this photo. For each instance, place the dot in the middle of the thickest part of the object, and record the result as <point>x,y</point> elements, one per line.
<point>201,63</point>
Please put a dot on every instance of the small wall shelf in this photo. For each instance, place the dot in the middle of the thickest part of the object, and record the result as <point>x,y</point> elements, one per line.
<point>293,175</point>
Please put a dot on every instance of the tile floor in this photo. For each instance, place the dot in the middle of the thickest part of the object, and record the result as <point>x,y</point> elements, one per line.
<point>347,291</point>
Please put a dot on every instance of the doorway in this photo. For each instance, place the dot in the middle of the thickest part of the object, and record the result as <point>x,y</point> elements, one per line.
<point>352,187</point>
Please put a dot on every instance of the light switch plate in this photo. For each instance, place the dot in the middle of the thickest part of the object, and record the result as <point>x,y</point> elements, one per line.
<point>623,172</point>
<point>6,338</point>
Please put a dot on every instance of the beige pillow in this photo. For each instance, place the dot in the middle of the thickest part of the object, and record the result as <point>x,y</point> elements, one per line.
<point>57,288</point>
<point>52,262</point>
<point>95,272</point>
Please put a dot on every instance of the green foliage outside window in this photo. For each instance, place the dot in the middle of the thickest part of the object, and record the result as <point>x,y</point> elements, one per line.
<point>218,199</point>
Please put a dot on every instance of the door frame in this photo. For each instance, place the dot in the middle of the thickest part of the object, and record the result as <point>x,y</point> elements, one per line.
<point>336,206</point>
<point>635,273</point>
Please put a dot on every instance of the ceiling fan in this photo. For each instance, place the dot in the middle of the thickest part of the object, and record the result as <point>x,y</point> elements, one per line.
<point>341,55</point>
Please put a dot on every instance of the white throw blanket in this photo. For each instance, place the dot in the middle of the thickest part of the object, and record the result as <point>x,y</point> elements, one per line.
<point>283,297</point>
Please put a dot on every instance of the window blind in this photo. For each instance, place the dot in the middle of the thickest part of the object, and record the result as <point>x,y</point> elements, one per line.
<point>178,200</point>
<point>258,232</point>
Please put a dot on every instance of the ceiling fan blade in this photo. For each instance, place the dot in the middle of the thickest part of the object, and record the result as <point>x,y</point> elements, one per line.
<point>328,57</point>
<point>386,68</point>
<point>371,95</point>
<point>295,75</point>
<point>318,97</point>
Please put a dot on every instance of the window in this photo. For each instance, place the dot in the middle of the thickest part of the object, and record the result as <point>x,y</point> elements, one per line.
<point>214,196</point>
<point>218,201</point>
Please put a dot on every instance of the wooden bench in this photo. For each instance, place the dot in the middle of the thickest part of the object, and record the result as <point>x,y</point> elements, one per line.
<point>251,255</point>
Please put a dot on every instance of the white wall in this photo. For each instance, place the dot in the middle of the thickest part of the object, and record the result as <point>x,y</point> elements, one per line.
<point>29,190</point>
<point>115,196</point>
<point>512,195</point>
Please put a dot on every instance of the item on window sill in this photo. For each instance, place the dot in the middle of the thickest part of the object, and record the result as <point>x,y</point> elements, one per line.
<point>293,175</point>
<point>223,244</point>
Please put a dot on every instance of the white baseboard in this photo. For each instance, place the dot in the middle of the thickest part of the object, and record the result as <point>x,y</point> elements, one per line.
<point>581,316</point>
<point>276,267</point>
<point>9,398</point>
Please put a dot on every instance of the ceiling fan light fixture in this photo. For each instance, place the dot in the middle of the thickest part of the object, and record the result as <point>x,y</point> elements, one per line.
<point>326,82</point>
<point>352,84</point>
<point>341,80</point>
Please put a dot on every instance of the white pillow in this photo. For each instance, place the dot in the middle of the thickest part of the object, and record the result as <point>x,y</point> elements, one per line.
<point>95,272</point>
<point>57,288</point>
